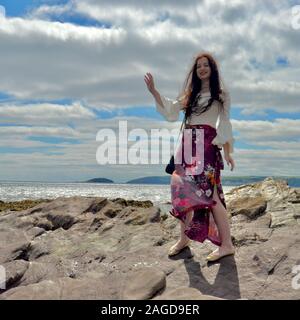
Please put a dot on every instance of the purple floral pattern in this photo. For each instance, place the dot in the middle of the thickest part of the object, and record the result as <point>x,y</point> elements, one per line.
<point>195,192</point>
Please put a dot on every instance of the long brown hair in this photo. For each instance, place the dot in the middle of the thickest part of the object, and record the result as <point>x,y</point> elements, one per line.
<point>192,85</point>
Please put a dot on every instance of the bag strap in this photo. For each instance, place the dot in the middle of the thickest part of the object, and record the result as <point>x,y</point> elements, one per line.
<point>183,121</point>
<point>182,124</point>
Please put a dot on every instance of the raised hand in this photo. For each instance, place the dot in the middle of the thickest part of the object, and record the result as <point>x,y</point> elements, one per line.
<point>149,82</point>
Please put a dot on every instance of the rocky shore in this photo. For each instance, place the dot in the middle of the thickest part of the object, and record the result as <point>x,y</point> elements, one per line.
<point>96,248</point>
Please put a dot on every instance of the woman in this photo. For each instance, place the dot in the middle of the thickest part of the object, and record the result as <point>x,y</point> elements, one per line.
<point>197,199</point>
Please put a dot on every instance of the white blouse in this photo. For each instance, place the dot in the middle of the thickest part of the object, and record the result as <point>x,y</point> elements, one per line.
<point>214,116</point>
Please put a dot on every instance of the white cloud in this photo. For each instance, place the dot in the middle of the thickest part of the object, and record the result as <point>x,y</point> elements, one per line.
<point>45,111</point>
<point>264,131</point>
<point>53,60</point>
<point>44,11</point>
<point>46,131</point>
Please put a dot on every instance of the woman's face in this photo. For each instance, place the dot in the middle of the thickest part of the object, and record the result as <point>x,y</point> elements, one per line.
<point>203,68</point>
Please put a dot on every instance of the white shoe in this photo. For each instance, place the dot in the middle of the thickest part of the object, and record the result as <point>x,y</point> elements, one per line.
<point>214,256</point>
<point>175,250</point>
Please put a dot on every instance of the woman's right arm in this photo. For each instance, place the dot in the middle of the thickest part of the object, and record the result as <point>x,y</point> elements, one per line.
<point>157,98</point>
<point>167,107</point>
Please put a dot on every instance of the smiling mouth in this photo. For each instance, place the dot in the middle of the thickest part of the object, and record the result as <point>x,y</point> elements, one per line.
<point>202,74</point>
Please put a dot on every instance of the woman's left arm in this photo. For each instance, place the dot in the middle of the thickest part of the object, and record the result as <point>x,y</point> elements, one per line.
<point>224,137</point>
<point>228,146</point>
<point>227,156</point>
<point>225,130</point>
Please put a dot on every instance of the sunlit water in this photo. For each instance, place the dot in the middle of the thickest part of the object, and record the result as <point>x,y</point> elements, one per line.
<point>15,191</point>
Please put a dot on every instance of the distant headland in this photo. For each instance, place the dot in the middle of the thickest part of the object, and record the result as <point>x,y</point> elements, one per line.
<point>99,180</point>
<point>230,181</point>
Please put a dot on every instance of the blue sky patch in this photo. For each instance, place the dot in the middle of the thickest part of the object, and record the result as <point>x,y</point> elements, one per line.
<point>19,8</point>
<point>23,7</point>
<point>244,145</point>
<point>282,61</point>
<point>26,150</point>
<point>270,115</point>
<point>5,97</point>
<point>15,125</point>
<point>53,140</point>
<point>81,20</point>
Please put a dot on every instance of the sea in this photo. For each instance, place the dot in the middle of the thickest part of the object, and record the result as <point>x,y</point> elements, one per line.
<point>157,193</point>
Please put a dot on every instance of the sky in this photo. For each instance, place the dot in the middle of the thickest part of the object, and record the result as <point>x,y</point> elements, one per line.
<point>71,68</point>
